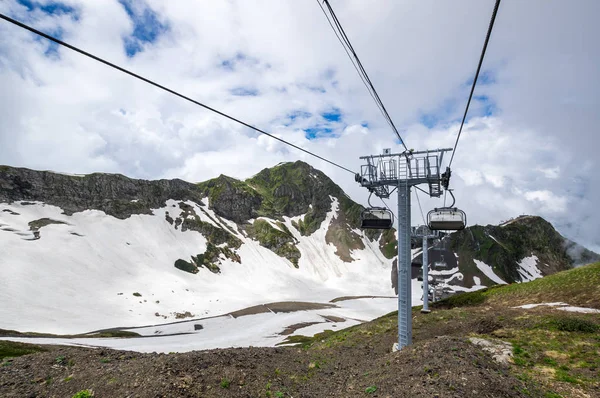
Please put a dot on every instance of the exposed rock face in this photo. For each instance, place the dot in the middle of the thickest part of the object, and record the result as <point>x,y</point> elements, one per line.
<point>114,194</point>
<point>504,246</point>
<point>231,198</point>
<point>292,190</point>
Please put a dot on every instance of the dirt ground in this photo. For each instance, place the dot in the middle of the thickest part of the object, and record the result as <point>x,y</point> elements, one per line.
<point>355,362</point>
<point>444,367</point>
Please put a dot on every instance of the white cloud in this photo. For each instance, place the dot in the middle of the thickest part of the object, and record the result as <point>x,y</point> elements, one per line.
<point>548,201</point>
<point>68,113</point>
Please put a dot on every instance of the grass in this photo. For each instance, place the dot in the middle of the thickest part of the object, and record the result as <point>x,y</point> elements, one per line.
<point>578,286</point>
<point>84,394</point>
<point>10,349</point>
<point>106,333</point>
<point>571,324</point>
<point>558,348</point>
<point>225,383</point>
<point>280,242</point>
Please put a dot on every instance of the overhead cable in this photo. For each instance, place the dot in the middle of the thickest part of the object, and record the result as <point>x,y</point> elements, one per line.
<point>96,58</point>
<point>420,208</point>
<point>485,44</point>
<point>345,41</point>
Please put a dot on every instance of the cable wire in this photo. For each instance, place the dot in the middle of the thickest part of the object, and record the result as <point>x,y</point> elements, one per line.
<point>87,54</point>
<point>345,41</point>
<point>485,44</point>
<point>420,208</point>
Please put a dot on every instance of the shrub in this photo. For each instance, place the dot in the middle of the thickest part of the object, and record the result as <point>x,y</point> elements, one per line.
<point>463,300</point>
<point>84,394</point>
<point>567,324</point>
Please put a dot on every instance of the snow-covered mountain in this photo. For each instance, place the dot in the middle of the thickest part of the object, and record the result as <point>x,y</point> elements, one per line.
<point>80,253</point>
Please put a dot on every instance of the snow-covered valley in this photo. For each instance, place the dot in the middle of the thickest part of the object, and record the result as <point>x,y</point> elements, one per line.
<point>85,253</point>
<point>93,271</point>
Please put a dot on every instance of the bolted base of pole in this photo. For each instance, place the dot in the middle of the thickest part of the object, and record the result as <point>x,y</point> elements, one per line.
<point>424,311</point>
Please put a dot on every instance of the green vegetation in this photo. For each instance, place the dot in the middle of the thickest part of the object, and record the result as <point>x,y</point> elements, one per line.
<point>523,237</point>
<point>10,349</point>
<point>225,383</point>
<point>186,266</point>
<point>214,235</point>
<point>578,286</point>
<point>42,222</point>
<point>136,294</point>
<point>280,242</point>
<point>343,238</point>
<point>371,389</point>
<point>84,394</point>
<point>570,324</point>
<point>208,259</point>
<point>106,333</point>
<point>462,300</point>
<point>216,187</point>
<point>388,244</point>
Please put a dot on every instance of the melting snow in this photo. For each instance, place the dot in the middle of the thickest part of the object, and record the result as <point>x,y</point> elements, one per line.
<point>444,272</point>
<point>529,306</point>
<point>260,330</point>
<point>489,272</point>
<point>580,309</point>
<point>528,269</point>
<point>563,307</point>
<point>84,272</point>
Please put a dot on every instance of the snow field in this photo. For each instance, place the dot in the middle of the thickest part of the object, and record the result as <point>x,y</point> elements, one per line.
<point>65,283</point>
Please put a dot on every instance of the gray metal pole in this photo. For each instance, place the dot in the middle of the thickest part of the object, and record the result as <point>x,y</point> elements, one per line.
<point>404,268</point>
<point>425,275</point>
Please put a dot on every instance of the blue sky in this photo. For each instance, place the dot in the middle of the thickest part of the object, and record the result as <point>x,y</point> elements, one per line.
<point>277,65</point>
<point>147,27</point>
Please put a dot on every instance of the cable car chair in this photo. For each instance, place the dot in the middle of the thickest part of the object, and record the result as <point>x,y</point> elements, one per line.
<point>447,218</point>
<point>376,217</point>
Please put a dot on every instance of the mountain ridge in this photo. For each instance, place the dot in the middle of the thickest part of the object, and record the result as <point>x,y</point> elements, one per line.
<point>287,233</point>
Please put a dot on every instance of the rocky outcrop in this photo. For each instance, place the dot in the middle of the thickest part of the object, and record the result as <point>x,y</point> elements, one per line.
<point>113,194</point>
<point>231,198</point>
<point>504,246</point>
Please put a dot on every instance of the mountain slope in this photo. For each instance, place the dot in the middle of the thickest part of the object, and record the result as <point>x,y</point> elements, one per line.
<point>102,250</point>
<point>544,352</point>
<point>521,250</point>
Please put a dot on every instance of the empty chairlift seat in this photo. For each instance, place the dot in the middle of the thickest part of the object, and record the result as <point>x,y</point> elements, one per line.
<point>376,218</point>
<point>446,219</point>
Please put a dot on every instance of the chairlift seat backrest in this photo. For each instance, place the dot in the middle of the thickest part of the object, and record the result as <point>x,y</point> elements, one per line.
<point>376,218</point>
<point>446,219</point>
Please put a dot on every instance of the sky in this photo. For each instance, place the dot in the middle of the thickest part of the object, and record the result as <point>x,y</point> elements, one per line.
<point>529,146</point>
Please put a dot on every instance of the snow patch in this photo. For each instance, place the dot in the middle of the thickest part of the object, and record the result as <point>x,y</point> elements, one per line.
<point>582,310</point>
<point>528,269</point>
<point>489,272</point>
<point>444,272</point>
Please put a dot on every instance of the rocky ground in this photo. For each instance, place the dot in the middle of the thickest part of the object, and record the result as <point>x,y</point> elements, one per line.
<point>547,353</point>
<point>351,363</point>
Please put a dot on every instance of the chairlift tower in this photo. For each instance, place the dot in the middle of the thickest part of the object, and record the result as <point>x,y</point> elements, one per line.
<point>425,233</point>
<point>402,171</point>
